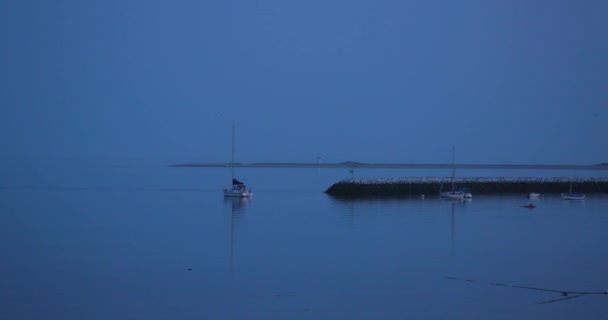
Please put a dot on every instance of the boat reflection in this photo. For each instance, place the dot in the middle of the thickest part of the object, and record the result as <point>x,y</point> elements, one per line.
<point>453,205</point>
<point>453,223</point>
<point>238,207</point>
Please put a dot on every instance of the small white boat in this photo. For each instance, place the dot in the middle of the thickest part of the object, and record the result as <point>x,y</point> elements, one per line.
<point>533,195</point>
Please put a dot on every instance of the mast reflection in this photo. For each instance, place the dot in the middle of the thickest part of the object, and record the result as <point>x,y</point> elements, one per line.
<point>238,207</point>
<point>453,204</point>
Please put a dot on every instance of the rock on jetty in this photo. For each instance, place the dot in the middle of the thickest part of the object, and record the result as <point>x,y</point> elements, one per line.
<point>357,188</point>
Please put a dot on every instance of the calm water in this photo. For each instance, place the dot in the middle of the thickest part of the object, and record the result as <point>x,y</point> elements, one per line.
<point>112,242</point>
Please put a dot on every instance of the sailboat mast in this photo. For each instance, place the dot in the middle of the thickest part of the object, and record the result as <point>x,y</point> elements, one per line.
<point>232,160</point>
<point>453,168</point>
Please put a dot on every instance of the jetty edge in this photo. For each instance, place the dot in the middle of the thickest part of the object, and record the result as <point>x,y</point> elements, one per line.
<point>415,186</point>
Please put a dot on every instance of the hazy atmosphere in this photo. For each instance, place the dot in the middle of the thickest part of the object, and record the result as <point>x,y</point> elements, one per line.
<point>375,81</point>
<point>101,99</point>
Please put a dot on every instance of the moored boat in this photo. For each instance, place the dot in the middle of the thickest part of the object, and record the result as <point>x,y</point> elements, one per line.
<point>454,194</point>
<point>239,189</point>
<point>573,196</point>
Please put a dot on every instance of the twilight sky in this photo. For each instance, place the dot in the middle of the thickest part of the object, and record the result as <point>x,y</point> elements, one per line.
<point>372,81</point>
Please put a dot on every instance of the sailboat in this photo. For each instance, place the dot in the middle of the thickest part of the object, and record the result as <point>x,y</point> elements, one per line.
<point>573,196</point>
<point>453,194</point>
<point>239,189</point>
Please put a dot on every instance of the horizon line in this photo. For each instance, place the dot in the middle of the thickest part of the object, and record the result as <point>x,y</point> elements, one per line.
<point>392,165</point>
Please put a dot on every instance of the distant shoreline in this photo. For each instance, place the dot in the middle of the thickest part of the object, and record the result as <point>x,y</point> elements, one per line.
<point>351,165</point>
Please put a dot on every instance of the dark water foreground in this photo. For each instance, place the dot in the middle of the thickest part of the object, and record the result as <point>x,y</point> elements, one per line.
<point>431,186</point>
<point>158,243</point>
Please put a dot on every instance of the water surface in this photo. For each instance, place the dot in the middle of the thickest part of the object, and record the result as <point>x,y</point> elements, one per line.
<point>100,242</point>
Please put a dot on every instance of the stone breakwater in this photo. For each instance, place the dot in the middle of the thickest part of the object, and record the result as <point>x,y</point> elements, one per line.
<point>357,188</point>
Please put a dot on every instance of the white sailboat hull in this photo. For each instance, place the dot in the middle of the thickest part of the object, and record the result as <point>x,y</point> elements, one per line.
<point>453,195</point>
<point>237,194</point>
<point>574,196</point>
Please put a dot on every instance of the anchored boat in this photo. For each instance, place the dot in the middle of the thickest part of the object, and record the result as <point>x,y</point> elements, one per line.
<point>453,194</point>
<point>573,196</point>
<point>239,189</point>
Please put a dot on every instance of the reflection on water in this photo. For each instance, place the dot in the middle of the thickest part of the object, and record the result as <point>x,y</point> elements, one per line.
<point>99,253</point>
<point>452,219</point>
<point>495,238</point>
<point>565,294</point>
<point>426,208</point>
<point>237,207</point>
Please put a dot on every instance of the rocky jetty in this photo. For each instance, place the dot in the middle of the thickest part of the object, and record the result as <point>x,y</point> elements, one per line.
<point>360,188</point>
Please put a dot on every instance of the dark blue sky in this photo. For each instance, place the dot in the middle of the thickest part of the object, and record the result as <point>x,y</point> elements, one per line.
<point>376,81</point>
